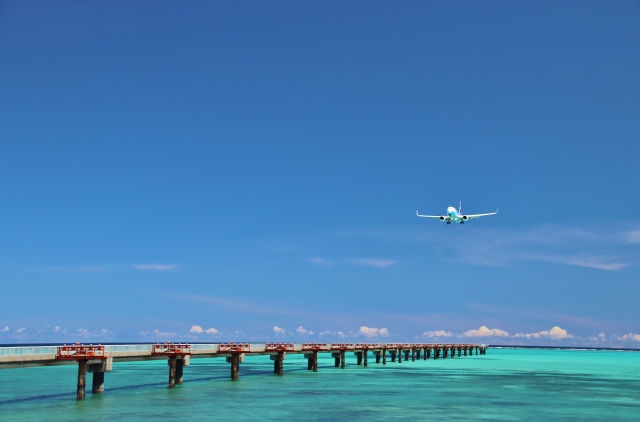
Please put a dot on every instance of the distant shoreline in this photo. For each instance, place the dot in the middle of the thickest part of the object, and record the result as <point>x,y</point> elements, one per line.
<point>618,349</point>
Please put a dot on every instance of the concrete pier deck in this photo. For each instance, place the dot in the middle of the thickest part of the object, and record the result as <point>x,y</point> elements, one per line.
<point>99,359</point>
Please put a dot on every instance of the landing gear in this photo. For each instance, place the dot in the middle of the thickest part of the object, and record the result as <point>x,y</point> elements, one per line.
<point>448,222</point>
<point>462,222</point>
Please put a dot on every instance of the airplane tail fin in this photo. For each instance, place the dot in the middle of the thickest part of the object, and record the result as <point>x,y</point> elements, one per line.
<point>460,208</point>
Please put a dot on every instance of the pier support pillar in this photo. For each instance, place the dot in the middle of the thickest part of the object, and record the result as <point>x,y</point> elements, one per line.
<point>179,370</point>
<point>312,361</point>
<point>465,351</point>
<point>377,356</point>
<point>82,379</point>
<point>413,355</point>
<point>365,357</point>
<point>358,358</point>
<point>384,357</point>
<point>235,368</point>
<point>277,363</point>
<point>336,357</point>
<point>342,359</point>
<point>98,368</point>
<point>436,353</point>
<point>235,361</point>
<point>97,385</point>
<point>393,356</point>
<point>172,371</point>
<point>406,355</point>
<point>445,353</point>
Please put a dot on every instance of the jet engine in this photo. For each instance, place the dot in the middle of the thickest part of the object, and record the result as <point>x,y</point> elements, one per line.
<point>442,218</point>
<point>465,218</point>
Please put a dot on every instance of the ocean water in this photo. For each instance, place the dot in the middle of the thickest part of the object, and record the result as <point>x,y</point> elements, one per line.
<point>504,384</point>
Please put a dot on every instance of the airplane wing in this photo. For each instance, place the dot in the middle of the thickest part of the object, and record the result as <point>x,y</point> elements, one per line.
<point>432,216</point>
<point>471,216</point>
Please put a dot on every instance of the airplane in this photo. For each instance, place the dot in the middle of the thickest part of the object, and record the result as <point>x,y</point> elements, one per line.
<point>455,216</point>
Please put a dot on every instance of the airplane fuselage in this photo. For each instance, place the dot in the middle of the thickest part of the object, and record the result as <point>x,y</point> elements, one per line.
<point>455,216</point>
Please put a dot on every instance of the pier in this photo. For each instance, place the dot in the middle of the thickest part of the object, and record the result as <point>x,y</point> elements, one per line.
<point>99,359</point>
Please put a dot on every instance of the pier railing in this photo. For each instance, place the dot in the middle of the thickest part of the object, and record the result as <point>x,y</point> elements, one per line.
<point>28,350</point>
<point>213,348</point>
<point>123,348</point>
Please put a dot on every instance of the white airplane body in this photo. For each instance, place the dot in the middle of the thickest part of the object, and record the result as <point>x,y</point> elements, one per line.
<point>456,215</point>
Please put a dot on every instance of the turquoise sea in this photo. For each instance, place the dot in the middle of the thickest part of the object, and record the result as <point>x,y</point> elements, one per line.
<point>504,384</point>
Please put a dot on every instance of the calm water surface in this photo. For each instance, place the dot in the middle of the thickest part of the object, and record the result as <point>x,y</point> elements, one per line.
<point>505,384</point>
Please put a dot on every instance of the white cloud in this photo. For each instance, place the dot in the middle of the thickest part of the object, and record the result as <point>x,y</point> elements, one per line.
<point>597,262</point>
<point>555,333</point>
<point>196,329</point>
<point>319,261</point>
<point>83,330</point>
<point>555,244</point>
<point>302,331</point>
<point>155,267</point>
<point>6,328</point>
<point>370,262</point>
<point>157,333</point>
<point>56,329</point>
<point>437,333</point>
<point>631,336</point>
<point>334,333</point>
<point>279,330</point>
<point>634,236</point>
<point>21,329</point>
<point>602,337</point>
<point>486,332</point>
<point>373,332</point>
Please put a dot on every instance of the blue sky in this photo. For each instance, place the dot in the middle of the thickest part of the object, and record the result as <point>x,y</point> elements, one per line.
<point>253,169</point>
